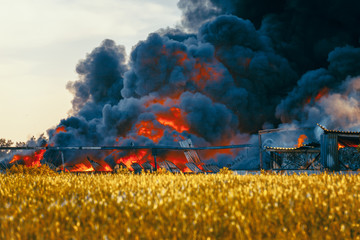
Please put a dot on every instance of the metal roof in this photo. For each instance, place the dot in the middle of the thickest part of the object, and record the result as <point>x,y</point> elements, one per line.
<point>311,147</point>
<point>337,131</point>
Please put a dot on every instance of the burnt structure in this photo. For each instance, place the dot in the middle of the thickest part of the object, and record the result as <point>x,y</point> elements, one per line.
<point>331,142</point>
<point>90,164</point>
<point>289,158</point>
<point>335,151</point>
<point>305,157</point>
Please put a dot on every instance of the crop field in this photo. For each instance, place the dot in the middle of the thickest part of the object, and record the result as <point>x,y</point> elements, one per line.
<point>164,206</point>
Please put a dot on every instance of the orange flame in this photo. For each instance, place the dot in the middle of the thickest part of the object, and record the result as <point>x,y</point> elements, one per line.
<point>176,157</point>
<point>173,119</point>
<point>323,92</point>
<point>301,140</point>
<point>138,157</point>
<point>181,57</point>
<point>60,129</point>
<point>103,166</point>
<point>168,101</point>
<point>30,160</point>
<point>204,73</point>
<point>149,130</point>
<point>155,101</point>
<point>88,164</point>
<point>340,146</point>
<point>84,166</point>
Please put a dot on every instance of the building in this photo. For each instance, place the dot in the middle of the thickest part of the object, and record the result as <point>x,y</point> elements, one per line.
<point>331,142</point>
<point>337,150</point>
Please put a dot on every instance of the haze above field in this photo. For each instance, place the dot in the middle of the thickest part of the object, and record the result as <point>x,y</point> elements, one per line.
<point>42,42</point>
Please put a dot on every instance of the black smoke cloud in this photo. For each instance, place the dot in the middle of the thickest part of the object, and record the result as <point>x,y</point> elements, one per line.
<point>304,32</point>
<point>200,115</point>
<point>343,64</point>
<point>259,76</point>
<point>232,68</point>
<point>101,76</point>
<point>154,68</point>
<point>195,13</point>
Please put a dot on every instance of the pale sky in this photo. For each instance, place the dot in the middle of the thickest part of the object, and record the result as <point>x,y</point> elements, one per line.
<point>42,41</point>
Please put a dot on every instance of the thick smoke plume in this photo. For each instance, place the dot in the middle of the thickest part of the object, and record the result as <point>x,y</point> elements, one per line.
<point>231,69</point>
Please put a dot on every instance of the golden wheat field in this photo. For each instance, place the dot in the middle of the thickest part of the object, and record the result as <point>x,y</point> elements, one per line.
<point>166,206</point>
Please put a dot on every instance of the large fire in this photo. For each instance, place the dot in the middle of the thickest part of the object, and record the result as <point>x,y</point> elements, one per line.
<point>139,157</point>
<point>86,165</point>
<point>30,160</point>
<point>173,119</point>
<point>149,130</point>
<point>216,79</point>
<point>167,118</point>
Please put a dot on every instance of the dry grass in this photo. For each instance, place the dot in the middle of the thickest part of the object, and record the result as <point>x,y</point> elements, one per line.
<point>150,206</point>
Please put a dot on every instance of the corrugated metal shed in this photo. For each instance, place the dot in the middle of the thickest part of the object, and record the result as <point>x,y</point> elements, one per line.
<point>326,131</point>
<point>331,141</point>
<point>329,151</point>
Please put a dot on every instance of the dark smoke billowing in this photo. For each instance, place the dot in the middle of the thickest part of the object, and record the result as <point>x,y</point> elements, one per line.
<point>233,68</point>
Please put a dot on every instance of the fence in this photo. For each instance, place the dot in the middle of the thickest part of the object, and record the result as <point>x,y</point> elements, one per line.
<point>58,156</point>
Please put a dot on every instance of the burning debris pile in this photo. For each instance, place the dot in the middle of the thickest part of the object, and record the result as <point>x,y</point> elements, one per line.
<point>231,69</point>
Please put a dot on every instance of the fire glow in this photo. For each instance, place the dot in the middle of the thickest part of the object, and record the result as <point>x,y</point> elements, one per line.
<point>216,79</point>
<point>203,72</point>
<point>174,119</point>
<point>171,118</point>
<point>134,157</point>
<point>149,130</point>
<point>60,129</point>
<point>85,165</point>
<point>322,93</point>
<point>31,160</point>
<point>340,146</point>
<point>301,140</point>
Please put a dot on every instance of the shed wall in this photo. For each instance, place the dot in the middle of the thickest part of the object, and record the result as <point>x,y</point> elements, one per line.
<point>329,151</point>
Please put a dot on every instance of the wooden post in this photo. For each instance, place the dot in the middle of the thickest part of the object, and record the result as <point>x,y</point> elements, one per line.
<point>261,153</point>
<point>154,153</point>
<point>62,160</point>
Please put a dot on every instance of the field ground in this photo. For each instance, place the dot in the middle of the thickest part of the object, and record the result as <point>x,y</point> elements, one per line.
<point>165,206</point>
